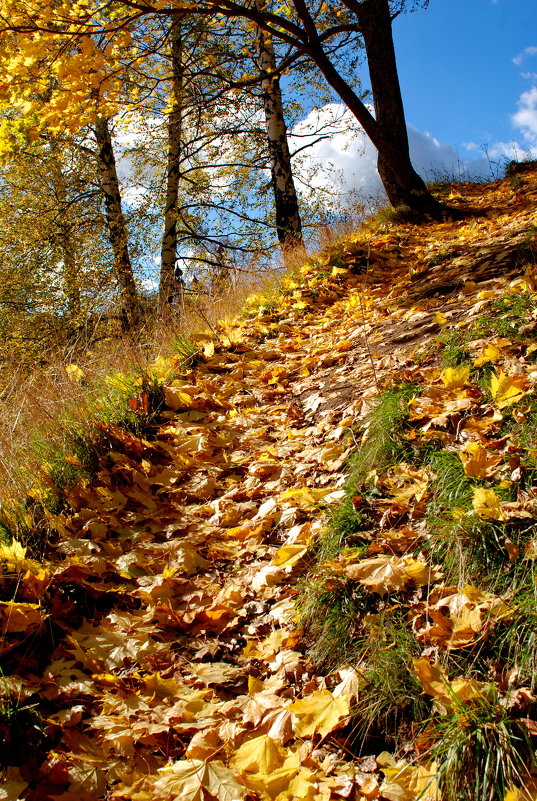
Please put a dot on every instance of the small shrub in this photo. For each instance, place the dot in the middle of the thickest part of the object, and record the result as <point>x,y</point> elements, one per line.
<point>22,728</point>
<point>471,549</point>
<point>330,617</point>
<point>392,700</point>
<point>506,316</point>
<point>384,442</point>
<point>514,640</point>
<point>453,348</point>
<point>440,258</point>
<point>481,748</point>
<point>394,215</point>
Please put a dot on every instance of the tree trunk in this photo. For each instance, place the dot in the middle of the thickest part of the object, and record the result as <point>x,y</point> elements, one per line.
<point>288,223</point>
<point>387,132</point>
<point>170,289</point>
<point>402,184</point>
<point>131,308</point>
<point>64,239</point>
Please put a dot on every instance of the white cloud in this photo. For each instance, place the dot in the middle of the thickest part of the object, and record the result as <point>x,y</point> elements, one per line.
<point>525,119</point>
<point>334,155</point>
<point>149,284</point>
<point>431,158</point>
<point>345,162</point>
<point>527,52</point>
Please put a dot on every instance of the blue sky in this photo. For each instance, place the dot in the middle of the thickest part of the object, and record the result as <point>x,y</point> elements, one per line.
<point>468,73</point>
<point>456,67</point>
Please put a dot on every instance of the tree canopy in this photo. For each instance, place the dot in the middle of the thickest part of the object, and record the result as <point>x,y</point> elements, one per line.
<point>207,82</point>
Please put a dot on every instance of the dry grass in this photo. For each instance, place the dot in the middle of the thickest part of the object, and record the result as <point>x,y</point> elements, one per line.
<point>45,409</point>
<point>206,310</point>
<point>332,232</point>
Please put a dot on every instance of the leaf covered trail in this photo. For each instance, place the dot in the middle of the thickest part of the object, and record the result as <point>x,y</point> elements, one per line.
<point>158,639</point>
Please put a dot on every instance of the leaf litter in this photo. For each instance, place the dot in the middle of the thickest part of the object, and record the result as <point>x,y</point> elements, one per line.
<point>159,638</point>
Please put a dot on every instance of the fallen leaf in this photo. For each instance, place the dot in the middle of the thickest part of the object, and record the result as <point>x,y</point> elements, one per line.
<point>319,712</point>
<point>477,460</point>
<point>455,377</point>
<point>487,504</point>
<point>259,755</point>
<point>507,389</point>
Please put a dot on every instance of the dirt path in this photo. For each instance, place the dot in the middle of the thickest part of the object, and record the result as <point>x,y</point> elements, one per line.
<point>159,638</point>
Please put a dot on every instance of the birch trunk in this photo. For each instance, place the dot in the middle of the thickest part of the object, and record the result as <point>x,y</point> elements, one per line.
<point>170,289</point>
<point>131,309</point>
<point>288,223</point>
<point>65,241</point>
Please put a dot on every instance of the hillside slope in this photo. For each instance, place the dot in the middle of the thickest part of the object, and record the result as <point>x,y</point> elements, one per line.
<point>276,592</point>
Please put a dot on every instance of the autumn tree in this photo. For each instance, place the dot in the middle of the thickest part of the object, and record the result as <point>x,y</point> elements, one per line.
<point>169,286</point>
<point>318,30</point>
<point>95,68</point>
<point>288,222</point>
<point>117,229</point>
<point>70,67</point>
<point>54,274</point>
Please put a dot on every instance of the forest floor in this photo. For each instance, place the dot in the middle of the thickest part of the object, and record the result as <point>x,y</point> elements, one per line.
<point>167,644</point>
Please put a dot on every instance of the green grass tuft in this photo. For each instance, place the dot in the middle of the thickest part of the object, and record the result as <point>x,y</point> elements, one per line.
<point>392,699</point>
<point>482,750</point>
<point>384,442</point>
<point>331,609</point>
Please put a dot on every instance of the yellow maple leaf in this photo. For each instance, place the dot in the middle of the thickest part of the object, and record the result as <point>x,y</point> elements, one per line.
<point>188,778</point>
<point>455,377</point>
<point>380,574</point>
<point>339,271</point>
<point>13,554</point>
<point>17,617</point>
<point>289,554</point>
<point>432,678</point>
<point>259,755</point>
<point>491,353</point>
<point>208,349</point>
<point>477,460</point>
<point>526,793</point>
<point>204,744</point>
<point>507,389</point>
<point>176,398</point>
<point>487,504</point>
<point>159,687</point>
<point>215,672</point>
<point>456,619</point>
<point>270,785</point>
<point>305,497</point>
<point>436,684</point>
<point>265,649</point>
<point>406,781</point>
<point>74,373</point>
<point>319,712</point>
<point>420,572</point>
<point>302,786</point>
<point>343,345</point>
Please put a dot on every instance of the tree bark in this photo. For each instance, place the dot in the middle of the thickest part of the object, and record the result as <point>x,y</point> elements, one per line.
<point>387,131</point>
<point>288,222</point>
<point>170,289</point>
<point>131,308</point>
<point>64,239</point>
<point>402,183</point>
